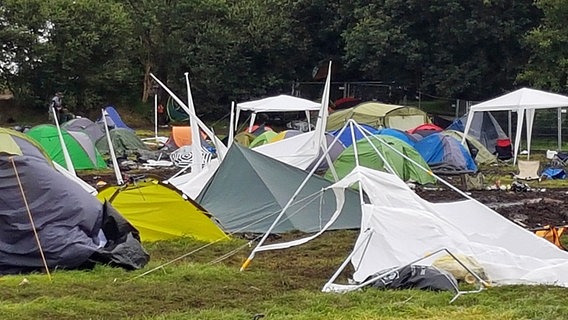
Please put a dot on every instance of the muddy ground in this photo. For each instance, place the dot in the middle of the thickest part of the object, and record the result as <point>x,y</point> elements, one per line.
<point>532,209</point>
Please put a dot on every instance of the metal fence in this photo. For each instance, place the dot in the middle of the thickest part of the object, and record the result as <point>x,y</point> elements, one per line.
<point>545,125</point>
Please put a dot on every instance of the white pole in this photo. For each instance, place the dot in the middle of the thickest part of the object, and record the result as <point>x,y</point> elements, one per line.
<point>156,117</point>
<point>231,125</point>
<point>115,167</point>
<point>197,159</point>
<point>66,155</point>
<point>221,149</point>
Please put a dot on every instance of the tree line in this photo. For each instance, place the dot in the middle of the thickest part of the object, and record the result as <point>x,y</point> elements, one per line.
<point>102,51</point>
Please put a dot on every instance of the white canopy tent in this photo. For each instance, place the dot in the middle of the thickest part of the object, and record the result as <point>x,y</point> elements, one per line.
<point>521,101</point>
<point>281,103</point>
<point>302,150</point>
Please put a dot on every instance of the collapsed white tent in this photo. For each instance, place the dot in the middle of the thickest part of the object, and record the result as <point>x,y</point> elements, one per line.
<point>281,103</point>
<point>398,227</point>
<point>521,101</point>
<point>403,227</point>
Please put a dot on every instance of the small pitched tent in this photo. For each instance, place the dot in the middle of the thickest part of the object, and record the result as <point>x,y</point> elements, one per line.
<point>444,155</point>
<point>400,134</point>
<point>74,228</point>
<point>84,125</point>
<point>484,127</point>
<point>425,129</point>
<point>476,149</point>
<point>263,138</point>
<point>347,138</point>
<point>249,189</point>
<point>285,134</point>
<point>379,115</point>
<point>124,141</point>
<point>81,149</point>
<point>113,119</point>
<point>160,212</point>
<point>179,137</point>
<point>368,150</point>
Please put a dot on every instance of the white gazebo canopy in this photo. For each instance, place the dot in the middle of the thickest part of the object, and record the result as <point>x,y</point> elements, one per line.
<point>281,103</point>
<point>521,101</point>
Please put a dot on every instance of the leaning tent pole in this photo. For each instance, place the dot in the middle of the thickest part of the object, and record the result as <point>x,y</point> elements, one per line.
<point>197,159</point>
<point>31,219</point>
<point>218,144</point>
<point>281,214</point>
<point>156,118</point>
<point>115,167</point>
<point>231,125</point>
<point>66,155</point>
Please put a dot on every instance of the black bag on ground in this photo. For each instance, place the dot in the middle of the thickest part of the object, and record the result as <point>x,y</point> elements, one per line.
<point>416,277</point>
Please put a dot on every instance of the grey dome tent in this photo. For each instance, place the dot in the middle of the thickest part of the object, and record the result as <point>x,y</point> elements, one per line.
<point>93,130</point>
<point>124,142</point>
<point>249,189</point>
<point>74,229</point>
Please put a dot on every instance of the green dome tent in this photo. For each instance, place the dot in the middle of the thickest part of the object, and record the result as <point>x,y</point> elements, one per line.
<point>369,158</point>
<point>379,115</point>
<point>124,141</point>
<point>263,138</point>
<point>81,149</point>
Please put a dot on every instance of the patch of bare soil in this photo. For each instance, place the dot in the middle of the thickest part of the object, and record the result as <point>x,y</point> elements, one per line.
<point>532,209</point>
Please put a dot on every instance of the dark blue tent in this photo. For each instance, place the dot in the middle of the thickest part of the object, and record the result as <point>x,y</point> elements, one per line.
<point>113,119</point>
<point>402,135</point>
<point>445,155</point>
<point>346,137</point>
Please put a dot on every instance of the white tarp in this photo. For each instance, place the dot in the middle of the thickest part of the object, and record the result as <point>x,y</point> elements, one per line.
<point>522,101</point>
<point>406,227</point>
<point>190,183</point>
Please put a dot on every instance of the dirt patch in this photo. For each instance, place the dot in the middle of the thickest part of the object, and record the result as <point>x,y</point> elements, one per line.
<point>531,209</point>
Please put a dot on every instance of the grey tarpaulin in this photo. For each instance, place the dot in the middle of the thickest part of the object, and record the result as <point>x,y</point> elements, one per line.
<point>417,277</point>
<point>68,219</point>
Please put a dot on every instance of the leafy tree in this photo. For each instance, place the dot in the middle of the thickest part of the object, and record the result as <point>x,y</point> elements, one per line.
<point>548,45</point>
<point>450,48</point>
<point>79,47</point>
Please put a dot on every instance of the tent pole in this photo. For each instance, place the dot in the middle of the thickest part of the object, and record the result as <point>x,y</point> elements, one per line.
<point>559,116</point>
<point>218,144</point>
<point>31,219</point>
<point>365,241</point>
<point>156,117</point>
<point>66,155</point>
<point>197,161</point>
<point>510,123</point>
<point>115,167</point>
<point>231,125</point>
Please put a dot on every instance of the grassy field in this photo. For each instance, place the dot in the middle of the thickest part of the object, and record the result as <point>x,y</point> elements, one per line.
<point>278,285</point>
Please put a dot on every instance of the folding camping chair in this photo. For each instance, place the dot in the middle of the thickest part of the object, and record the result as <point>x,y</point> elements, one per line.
<point>559,160</point>
<point>528,170</point>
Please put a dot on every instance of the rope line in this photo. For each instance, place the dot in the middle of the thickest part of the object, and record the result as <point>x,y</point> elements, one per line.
<point>31,219</point>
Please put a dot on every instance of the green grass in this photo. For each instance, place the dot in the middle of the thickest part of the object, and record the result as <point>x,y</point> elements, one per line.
<point>280,285</point>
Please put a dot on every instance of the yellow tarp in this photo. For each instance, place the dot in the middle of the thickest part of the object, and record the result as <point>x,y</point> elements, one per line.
<point>160,213</point>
